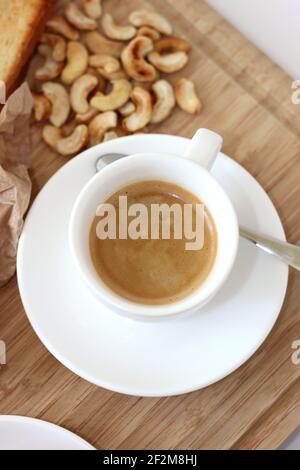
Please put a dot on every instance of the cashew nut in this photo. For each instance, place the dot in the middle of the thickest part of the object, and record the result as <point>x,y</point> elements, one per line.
<point>116,31</point>
<point>110,135</point>
<point>172,44</point>
<point>112,76</point>
<point>142,116</point>
<point>144,130</point>
<point>146,85</point>
<point>59,98</point>
<point>168,63</point>
<point>59,25</point>
<point>92,8</point>
<point>109,63</point>
<point>78,19</point>
<point>80,91</point>
<point>69,127</point>
<point>165,101</point>
<point>74,142</point>
<point>152,19</point>
<point>134,61</point>
<point>149,33</point>
<point>45,50</point>
<point>77,56</point>
<point>86,117</point>
<point>50,69</point>
<point>101,80</point>
<point>52,135</point>
<point>115,99</point>
<point>58,43</point>
<point>186,96</point>
<point>98,44</point>
<point>121,131</point>
<point>127,109</point>
<point>41,106</point>
<point>101,124</point>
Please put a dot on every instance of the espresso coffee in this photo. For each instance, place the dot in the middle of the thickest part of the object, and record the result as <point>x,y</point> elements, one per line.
<point>153,271</point>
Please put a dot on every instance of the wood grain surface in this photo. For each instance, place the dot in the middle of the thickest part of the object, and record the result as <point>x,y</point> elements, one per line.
<point>247,99</point>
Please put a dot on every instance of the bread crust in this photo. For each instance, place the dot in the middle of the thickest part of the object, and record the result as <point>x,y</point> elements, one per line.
<point>21,24</point>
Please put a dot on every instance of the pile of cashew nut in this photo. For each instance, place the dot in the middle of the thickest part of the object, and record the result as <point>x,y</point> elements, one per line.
<point>101,80</point>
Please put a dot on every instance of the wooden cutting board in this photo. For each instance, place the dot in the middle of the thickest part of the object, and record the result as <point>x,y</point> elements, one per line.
<point>247,99</point>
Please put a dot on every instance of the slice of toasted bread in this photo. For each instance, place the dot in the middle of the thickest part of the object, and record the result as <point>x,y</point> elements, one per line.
<point>21,24</point>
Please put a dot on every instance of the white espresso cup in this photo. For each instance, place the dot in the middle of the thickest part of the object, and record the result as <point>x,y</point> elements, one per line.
<point>191,172</point>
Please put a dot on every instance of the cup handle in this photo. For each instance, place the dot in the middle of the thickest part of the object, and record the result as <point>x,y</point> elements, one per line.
<point>204,148</point>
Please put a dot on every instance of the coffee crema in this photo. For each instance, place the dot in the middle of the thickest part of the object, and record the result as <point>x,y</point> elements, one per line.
<point>153,271</point>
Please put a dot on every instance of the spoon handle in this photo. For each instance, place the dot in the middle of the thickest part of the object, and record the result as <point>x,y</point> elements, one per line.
<point>287,252</point>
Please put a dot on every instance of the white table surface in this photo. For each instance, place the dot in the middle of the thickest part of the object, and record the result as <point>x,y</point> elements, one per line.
<point>272,25</point>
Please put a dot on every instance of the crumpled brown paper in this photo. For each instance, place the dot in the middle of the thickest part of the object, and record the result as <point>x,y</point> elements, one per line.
<point>15,184</point>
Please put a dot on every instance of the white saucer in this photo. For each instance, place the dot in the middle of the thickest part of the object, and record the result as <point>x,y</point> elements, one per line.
<point>137,358</point>
<point>20,433</point>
